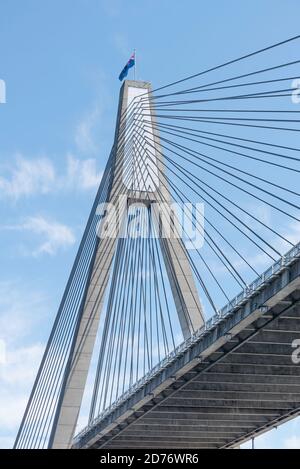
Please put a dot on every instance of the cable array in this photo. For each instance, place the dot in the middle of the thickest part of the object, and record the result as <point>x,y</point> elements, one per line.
<point>225,137</point>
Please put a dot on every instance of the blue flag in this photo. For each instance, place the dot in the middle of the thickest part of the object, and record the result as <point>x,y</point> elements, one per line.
<point>129,64</point>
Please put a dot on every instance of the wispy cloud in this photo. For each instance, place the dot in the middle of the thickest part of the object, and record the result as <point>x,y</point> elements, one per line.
<point>22,311</point>
<point>82,173</point>
<point>28,177</point>
<point>54,235</point>
<point>16,378</point>
<point>84,135</point>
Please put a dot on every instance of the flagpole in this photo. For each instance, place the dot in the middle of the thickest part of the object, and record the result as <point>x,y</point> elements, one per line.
<point>134,69</point>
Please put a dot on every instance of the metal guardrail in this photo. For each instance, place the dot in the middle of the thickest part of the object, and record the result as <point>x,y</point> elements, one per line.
<point>229,308</point>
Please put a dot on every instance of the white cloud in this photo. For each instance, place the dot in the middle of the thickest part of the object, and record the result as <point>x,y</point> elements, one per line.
<point>16,379</point>
<point>22,310</point>
<point>84,138</point>
<point>27,177</point>
<point>24,177</point>
<point>82,173</point>
<point>54,235</point>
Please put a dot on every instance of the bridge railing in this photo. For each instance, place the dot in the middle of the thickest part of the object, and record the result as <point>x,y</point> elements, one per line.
<point>284,262</point>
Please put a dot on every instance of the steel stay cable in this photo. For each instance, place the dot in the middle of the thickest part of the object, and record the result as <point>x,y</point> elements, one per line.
<point>114,374</point>
<point>240,208</point>
<point>183,305</point>
<point>197,273</point>
<point>125,262</point>
<point>108,318</point>
<point>100,361</point>
<point>230,62</point>
<point>258,95</point>
<point>218,203</point>
<point>29,402</point>
<point>219,233</point>
<point>233,184</point>
<point>226,80</point>
<point>38,374</point>
<point>142,173</point>
<point>107,372</point>
<point>192,264</point>
<point>175,128</point>
<point>210,271</point>
<point>203,88</point>
<point>124,322</point>
<point>231,166</point>
<point>115,286</point>
<point>124,273</point>
<point>232,137</point>
<point>248,213</point>
<point>194,119</point>
<point>130,319</point>
<point>235,272</point>
<point>190,151</point>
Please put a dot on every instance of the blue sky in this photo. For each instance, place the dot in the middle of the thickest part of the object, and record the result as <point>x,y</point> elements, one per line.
<point>60,61</point>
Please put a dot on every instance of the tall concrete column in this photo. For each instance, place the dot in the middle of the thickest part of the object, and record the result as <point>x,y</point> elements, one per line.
<point>142,187</point>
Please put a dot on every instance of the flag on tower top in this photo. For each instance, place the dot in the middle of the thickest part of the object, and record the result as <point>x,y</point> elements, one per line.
<point>130,63</point>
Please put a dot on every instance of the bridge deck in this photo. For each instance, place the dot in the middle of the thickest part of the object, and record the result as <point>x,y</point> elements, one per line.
<point>236,380</point>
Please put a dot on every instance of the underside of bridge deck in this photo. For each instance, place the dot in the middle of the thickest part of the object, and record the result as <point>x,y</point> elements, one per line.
<point>242,386</point>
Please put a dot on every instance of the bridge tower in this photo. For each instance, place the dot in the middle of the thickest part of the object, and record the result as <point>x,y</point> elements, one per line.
<point>134,174</point>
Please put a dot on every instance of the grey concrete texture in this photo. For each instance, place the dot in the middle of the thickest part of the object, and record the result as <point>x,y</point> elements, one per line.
<point>180,276</point>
